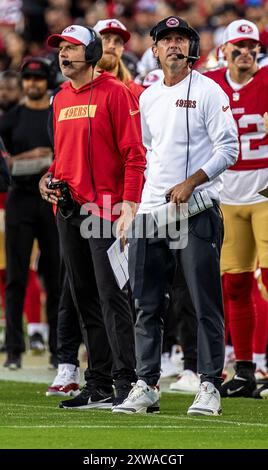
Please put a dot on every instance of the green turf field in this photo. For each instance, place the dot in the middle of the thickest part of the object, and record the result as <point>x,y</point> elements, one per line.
<point>30,420</point>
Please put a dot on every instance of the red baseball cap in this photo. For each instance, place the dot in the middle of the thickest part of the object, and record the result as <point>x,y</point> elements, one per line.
<point>112,26</point>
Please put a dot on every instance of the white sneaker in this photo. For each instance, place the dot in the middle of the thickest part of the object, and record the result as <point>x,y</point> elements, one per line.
<point>264,393</point>
<point>207,401</point>
<point>167,368</point>
<point>66,382</point>
<point>188,382</point>
<point>141,399</point>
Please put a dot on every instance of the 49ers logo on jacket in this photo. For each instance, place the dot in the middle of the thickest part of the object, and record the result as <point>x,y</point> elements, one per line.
<point>185,103</point>
<point>77,112</point>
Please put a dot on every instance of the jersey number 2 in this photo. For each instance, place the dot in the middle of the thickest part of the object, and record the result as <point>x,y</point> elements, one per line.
<point>246,152</point>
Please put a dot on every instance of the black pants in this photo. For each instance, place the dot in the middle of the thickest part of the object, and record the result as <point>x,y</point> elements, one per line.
<point>181,319</point>
<point>200,264</point>
<point>103,307</point>
<point>69,331</point>
<point>29,217</point>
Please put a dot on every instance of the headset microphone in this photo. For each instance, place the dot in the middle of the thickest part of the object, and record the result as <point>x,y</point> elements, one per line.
<point>182,56</point>
<point>69,62</point>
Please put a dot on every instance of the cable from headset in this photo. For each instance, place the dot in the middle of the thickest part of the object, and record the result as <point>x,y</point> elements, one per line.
<point>187,126</point>
<point>89,133</point>
<point>191,229</point>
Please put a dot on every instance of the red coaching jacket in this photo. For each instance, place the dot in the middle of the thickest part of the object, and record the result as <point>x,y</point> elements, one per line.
<point>101,155</point>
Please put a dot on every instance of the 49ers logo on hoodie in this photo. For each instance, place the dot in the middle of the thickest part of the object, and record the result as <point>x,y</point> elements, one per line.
<point>77,112</point>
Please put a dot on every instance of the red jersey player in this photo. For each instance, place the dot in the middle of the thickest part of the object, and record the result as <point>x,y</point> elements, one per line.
<point>245,210</point>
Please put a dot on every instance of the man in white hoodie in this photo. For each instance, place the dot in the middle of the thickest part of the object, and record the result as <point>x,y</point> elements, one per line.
<point>191,138</point>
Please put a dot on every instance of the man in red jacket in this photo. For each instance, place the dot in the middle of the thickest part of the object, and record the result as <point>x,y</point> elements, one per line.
<point>99,154</point>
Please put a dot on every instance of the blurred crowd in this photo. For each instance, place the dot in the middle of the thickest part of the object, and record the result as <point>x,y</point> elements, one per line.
<point>25,25</point>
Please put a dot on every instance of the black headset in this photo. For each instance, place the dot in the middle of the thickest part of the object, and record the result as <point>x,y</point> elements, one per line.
<point>93,51</point>
<point>49,66</point>
<point>194,46</point>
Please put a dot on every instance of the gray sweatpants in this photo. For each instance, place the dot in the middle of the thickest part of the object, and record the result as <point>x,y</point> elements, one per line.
<point>152,265</point>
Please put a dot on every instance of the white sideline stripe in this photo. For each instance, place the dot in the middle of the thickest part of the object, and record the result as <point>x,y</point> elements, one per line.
<point>219,421</point>
<point>209,419</point>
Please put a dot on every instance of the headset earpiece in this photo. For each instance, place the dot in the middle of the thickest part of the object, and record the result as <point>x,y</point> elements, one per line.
<point>194,47</point>
<point>93,51</point>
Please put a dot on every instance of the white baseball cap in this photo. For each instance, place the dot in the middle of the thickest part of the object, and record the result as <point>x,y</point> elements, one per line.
<point>239,30</point>
<point>112,26</point>
<point>75,34</point>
